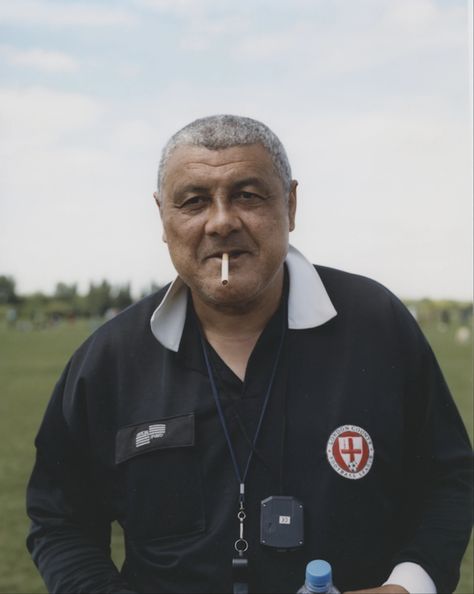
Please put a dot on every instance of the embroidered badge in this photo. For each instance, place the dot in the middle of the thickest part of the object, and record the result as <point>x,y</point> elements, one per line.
<point>350,451</point>
<point>153,432</point>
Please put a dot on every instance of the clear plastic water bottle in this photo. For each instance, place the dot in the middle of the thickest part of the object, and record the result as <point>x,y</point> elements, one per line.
<point>318,578</point>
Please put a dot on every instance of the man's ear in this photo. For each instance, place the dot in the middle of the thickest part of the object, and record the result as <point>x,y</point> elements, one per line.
<point>158,203</point>
<point>292,204</point>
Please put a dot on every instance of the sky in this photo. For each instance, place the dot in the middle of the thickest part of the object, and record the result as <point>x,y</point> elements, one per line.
<point>371,98</point>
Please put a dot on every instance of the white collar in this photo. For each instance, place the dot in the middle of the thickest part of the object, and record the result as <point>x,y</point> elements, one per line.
<point>308,303</point>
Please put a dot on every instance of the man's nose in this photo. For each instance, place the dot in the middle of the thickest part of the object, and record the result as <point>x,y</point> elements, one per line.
<point>223,218</point>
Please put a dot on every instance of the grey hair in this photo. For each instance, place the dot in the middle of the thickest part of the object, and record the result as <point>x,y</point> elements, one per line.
<point>224,131</point>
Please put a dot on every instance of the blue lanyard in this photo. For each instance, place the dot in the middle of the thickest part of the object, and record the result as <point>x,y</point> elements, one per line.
<point>241,545</point>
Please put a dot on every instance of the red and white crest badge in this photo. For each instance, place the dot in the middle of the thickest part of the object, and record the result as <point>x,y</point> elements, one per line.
<point>350,451</point>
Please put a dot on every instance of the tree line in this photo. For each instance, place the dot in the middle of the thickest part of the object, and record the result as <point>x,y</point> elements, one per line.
<point>104,299</point>
<point>66,301</point>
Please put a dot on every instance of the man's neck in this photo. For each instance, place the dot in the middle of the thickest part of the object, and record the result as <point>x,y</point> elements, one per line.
<point>233,332</point>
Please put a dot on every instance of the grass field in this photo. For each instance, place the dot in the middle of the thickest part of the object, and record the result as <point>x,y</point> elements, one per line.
<point>30,363</point>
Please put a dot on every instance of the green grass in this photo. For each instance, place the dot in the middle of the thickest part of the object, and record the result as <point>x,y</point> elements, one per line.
<point>30,364</point>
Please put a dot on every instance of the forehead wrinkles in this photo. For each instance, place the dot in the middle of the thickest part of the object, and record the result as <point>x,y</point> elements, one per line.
<point>223,171</point>
<point>193,162</point>
<point>224,174</point>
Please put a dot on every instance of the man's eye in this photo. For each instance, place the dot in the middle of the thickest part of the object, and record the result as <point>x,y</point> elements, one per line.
<point>248,196</point>
<point>194,202</point>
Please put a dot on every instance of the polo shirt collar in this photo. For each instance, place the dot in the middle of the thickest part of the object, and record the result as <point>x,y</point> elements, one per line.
<point>309,304</point>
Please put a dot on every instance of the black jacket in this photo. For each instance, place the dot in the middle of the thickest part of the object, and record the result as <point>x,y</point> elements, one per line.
<point>102,455</point>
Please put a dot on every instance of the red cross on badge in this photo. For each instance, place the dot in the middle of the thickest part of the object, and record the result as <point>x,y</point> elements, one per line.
<point>350,451</point>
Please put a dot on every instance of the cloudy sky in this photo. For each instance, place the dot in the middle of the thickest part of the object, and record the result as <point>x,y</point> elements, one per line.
<point>370,97</point>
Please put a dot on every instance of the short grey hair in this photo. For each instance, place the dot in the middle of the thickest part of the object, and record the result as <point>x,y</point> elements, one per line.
<point>224,131</point>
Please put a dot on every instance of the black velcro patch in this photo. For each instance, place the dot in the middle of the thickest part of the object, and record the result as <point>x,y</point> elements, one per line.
<point>171,432</point>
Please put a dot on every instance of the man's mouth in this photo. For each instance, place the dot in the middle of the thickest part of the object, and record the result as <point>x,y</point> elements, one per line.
<point>233,254</point>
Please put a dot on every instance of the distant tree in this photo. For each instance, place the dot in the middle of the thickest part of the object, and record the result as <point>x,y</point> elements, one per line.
<point>65,292</point>
<point>7,290</point>
<point>99,299</point>
<point>122,297</point>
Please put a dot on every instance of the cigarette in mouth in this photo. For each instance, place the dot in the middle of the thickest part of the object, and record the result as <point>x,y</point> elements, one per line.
<point>225,269</point>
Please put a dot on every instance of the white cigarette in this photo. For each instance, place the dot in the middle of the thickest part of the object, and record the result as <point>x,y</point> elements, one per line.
<point>225,269</point>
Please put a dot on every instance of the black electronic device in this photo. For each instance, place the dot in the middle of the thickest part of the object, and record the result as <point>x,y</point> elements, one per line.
<point>281,523</point>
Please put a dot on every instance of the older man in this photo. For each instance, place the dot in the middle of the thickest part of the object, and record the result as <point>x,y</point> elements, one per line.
<point>258,413</point>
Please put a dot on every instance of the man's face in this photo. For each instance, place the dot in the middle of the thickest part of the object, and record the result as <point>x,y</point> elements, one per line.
<point>233,201</point>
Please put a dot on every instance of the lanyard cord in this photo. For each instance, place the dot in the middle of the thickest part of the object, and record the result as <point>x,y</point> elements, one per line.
<point>241,478</point>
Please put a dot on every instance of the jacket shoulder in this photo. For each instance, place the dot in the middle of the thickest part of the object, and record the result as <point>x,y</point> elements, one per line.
<point>345,286</point>
<point>365,299</point>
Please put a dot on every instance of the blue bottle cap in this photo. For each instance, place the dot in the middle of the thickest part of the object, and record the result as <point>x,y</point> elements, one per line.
<point>318,575</point>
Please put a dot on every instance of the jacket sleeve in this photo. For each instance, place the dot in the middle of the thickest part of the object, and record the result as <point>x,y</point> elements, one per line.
<point>438,459</point>
<point>69,538</point>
